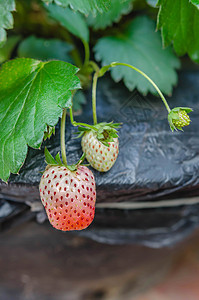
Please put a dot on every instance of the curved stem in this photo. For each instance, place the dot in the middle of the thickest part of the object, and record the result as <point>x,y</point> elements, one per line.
<point>148,78</point>
<point>87,52</point>
<point>62,137</point>
<point>94,88</point>
<point>94,66</point>
<point>74,123</point>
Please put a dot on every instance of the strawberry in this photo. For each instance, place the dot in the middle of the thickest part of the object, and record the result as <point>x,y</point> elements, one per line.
<point>101,157</point>
<point>183,120</point>
<point>178,117</point>
<point>68,196</point>
<point>100,144</point>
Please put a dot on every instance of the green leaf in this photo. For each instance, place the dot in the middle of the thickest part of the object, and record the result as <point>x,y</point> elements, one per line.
<point>105,143</point>
<point>49,158</point>
<point>152,3</point>
<point>100,136</point>
<point>32,96</point>
<point>73,21</point>
<point>48,133</point>
<point>44,49</point>
<point>140,46</point>
<point>117,9</point>
<point>7,49</point>
<point>179,24</point>
<point>58,159</point>
<point>84,6</point>
<point>195,2</point>
<point>6,18</point>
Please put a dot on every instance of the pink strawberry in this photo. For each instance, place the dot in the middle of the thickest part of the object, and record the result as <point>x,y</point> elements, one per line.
<point>100,156</point>
<point>68,197</point>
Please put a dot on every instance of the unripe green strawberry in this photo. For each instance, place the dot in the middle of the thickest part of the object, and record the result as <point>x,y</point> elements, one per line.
<point>184,120</point>
<point>68,197</point>
<point>178,117</point>
<point>101,157</point>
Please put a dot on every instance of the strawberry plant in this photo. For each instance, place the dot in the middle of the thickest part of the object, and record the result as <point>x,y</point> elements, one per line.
<point>47,63</point>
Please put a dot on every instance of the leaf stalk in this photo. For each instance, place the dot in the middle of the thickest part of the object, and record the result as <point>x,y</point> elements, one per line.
<point>94,88</point>
<point>87,52</point>
<point>74,123</point>
<point>114,64</point>
<point>62,137</point>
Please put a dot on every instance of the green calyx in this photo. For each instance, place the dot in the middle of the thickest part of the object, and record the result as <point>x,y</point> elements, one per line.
<point>178,118</point>
<point>50,130</point>
<point>105,132</point>
<point>51,161</point>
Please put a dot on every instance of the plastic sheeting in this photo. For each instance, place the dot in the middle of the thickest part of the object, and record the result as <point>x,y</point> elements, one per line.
<point>153,162</point>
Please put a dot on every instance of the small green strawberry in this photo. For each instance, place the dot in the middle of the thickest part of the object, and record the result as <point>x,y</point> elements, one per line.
<point>178,118</point>
<point>100,145</point>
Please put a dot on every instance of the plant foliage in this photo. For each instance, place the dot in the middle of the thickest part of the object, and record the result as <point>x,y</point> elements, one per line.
<point>179,24</point>
<point>6,18</point>
<point>84,6</point>
<point>131,48</point>
<point>117,9</point>
<point>32,95</point>
<point>73,21</point>
<point>45,49</point>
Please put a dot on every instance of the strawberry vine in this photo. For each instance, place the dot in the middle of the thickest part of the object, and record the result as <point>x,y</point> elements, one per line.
<point>35,94</point>
<point>62,137</point>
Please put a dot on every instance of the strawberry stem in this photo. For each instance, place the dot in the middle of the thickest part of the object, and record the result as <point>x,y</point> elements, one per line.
<point>94,66</point>
<point>62,137</point>
<point>114,64</point>
<point>71,115</point>
<point>87,52</point>
<point>94,88</point>
<point>74,123</point>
